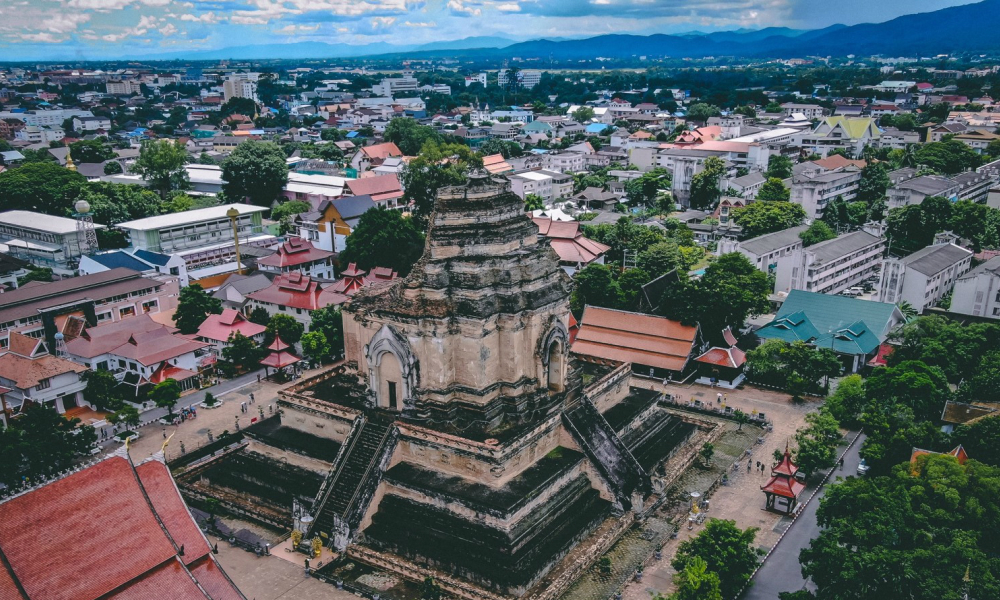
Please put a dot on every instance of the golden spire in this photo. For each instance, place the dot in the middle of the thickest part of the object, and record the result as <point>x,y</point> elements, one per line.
<point>69,162</point>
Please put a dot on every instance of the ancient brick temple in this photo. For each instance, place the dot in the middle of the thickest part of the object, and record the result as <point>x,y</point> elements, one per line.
<point>460,436</point>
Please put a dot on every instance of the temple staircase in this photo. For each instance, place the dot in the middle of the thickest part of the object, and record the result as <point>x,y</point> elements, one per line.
<point>347,491</point>
<point>601,443</point>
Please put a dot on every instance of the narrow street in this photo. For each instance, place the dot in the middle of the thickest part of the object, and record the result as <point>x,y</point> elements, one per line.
<point>781,572</point>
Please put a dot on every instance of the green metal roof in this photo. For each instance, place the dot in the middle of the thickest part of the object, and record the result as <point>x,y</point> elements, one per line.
<point>846,325</point>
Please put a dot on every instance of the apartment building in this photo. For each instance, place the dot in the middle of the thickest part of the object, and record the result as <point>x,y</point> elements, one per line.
<point>550,185</point>
<point>924,277</point>
<point>814,190</point>
<point>391,86</point>
<point>764,251</point>
<point>123,88</point>
<point>898,140</point>
<point>977,293</point>
<point>914,191</point>
<point>40,134</point>
<point>975,185</point>
<point>527,78</point>
<point>201,237</point>
<point>809,111</point>
<point>832,266</point>
<point>41,118</point>
<point>81,124</point>
<point>44,240</point>
<point>240,85</point>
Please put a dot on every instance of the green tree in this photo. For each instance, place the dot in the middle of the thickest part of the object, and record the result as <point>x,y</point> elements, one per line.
<point>43,274</point>
<point>90,151</point>
<point>695,582</point>
<point>286,211</point>
<point>874,183</point>
<point>255,170</point>
<point>102,390</point>
<point>242,352</point>
<point>315,346</point>
<point>43,187</point>
<point>409,135</point>
<point>127,416</point>
<point>259,315</point>
<point>759,218</point>
<point>166,394</point>
<point>194,305</point>
<point>595,286</point>
<point>922,388</point>
<point>642,191</point>
<point>733,277</point>
<point>981,439</point>
<point>773,190</point>
<point>113,167</point>
<point>951,346</point>
<point>330,322</point>
<point>779,167</point>
<point>630,283</point>
<point>817,442</point>
<point>706,453</point>
<point>949,157</point>
<point>41,442</point>
<point>705,192</point>
<point>661,258</point>
<point>533,202</point>
<point>795,367</point>
<point>161,165</point>
<point>702,112</point>
<point>583,114</point>
<point>727,550</point>
<point>430,590</point>
<point>816,233</point>
<point>384,238</point>
<point>984,385</point>
<point>848,400</point>
<point>238,106</point>
<point>285,327</point>
<point>436,166</point>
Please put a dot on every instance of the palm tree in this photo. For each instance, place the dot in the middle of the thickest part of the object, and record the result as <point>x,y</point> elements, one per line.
<point>909,313</point>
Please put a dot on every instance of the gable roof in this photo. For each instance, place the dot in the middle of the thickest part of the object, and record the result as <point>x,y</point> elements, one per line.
<point>568,242</point>
<point>153,258</point>
<point>220,327</point>
<point>352,207</point>
<point>379,187</point>
<point>633,337</point>
<point>294,252</point>
<point>92,507</point>
<point>381,151</point>
<point>846,325</point>
<point>112,260</point>
<point>934,259</point>
<point>27,372</point>
<point>770,242</point>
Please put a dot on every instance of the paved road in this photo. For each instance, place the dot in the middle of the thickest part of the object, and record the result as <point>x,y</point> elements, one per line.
<point>781,572</point>
<point>194,398</point>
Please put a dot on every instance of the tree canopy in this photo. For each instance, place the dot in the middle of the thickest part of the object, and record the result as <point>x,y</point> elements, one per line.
<point>255,170</point>
<point>816,233</point>
<point>41,442</point>
<point>727,550</point>
<point>161,165</point>
<point>705,192</point>
<point>43,187</point>
<point>948,157</point>
<point>596,286</point>
<point>384,238</point>
<point>284,326</point>
<point>759,218</point>
<point>436,166</point>
<point>91,151</point>
<point>774,190</point>
<point>795,367</point>
<point>779,167</point>
<point>194,305</point>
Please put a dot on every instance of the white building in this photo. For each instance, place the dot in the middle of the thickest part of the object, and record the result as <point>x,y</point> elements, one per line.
<point>391,86</point>
<point>977,292</point>
<point>814,190</point>
<point>478,78</point>
<point>240,85</point>
<point>43,240</point>
<point>764,251</point>
<point>91,123</point>
<point>201,237</point>
<point>550,185</point>
<point>832,266</point>
<point>29,373</point>
<point>124,88</point>
<point>527,78</point>
<point>39,118</point>
<point>809,111</point>
<point>40,134</point>
<point>914,191</point>
<point>895,86</point>
<point>923,277</point>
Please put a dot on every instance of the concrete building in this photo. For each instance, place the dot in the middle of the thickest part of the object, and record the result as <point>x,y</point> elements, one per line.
<point>391,86</point>
<point>924,277</point>
<point>832,266</point>
<point>480,78</point>
<point>550,185</point>
<point>814,190</point>
<point>240,85</point>
<point>126,87</point>
<point>201,237</point>
<point>977,293</point>
<point>84,124</point>
<point>44,240</point>
<point>809,111</point>
<point>29,373</point>
<point>40,134</point>
<point>898,140</point>
<point>42,118</point>
<point>846,133</point>
<point>914,191</point>
<point>764,251</point>
<point>527,78</point>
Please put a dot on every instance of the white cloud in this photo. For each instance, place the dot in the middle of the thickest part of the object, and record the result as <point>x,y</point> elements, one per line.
<point>509,7</point>
<point>50,38</point>
<point>383,22</point>
<point>296,29</point>
<point>209,17</point>
<point>168,30</point>
<point>458,7</point>
<point>419,24</point>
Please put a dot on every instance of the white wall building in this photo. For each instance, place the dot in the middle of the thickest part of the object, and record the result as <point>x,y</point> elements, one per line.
<point>764,251</point>
<point>977,292</point>
<point>43,240</point>
<point>550,185</point>
<point>832,266</point>
<point>923,277</point>
<point>814,190</point>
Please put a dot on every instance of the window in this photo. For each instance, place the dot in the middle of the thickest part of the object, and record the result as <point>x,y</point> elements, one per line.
<point>44,384</point>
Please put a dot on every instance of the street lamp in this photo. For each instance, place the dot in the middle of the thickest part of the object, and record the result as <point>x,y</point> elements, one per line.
<point>233,214</point>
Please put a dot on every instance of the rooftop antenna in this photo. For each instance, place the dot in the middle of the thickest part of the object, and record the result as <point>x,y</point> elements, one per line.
<point>86,234</point>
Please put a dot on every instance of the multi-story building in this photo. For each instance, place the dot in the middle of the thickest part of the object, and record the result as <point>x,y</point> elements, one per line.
<point>40,118</point>
<point>846,133</point>
<point>975,185</point>
<point>81,124</point>
<point>391,86</point>
<point>44,240</point>
<point>914,191</point>
<point>809,111</point>
<point>977,292</point>
<point>565,162</point>
<point>832,266</point>
<point>201,237</point>
<point>814,190</point>
<point>297,254</point>
<point>527,78</point>
<point>924,277</point>
<point>765,250</point>
<point>124,88</point>
<point>897,140</point>
<point>30,374</point>
<point>43,309</point>
<point>477,78</point>
<point>40,134</point>
<point>550,185</point>
<point>240,85</point>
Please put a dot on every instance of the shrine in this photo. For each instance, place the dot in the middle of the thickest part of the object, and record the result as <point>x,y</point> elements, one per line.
<point>783,488</point>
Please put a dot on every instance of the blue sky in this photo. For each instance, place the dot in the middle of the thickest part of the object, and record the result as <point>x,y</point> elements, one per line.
<point>92,28</point>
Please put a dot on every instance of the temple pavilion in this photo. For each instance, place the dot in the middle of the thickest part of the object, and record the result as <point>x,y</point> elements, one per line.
<point>782,489</point>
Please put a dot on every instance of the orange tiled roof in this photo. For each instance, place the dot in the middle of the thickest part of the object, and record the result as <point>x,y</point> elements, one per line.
<point>632,337</point>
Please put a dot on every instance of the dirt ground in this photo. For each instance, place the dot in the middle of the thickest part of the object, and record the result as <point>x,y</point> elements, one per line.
<point>742,499</point>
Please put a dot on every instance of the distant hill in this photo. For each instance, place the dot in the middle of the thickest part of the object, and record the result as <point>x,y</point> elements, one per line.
<point>468,43</point>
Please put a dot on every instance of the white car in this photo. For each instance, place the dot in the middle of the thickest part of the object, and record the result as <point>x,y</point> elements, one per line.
<point>863,468</point>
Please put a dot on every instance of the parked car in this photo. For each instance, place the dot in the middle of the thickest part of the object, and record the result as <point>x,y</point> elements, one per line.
<point>862,468</point>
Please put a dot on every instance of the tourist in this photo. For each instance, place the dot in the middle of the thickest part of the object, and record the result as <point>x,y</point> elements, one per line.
<point>718,398</point>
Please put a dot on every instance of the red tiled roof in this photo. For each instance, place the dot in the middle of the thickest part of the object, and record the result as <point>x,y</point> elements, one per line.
<point>632,337</point>
<point>568,242</point>
<point>155,346</point>
<point>169,505</point>
<point>382,151</point>
<point>732,358</point>
<point>837,161</point>
<point>28,372</point>
<point>378,187</point>
<point>168,371</point>
<point>294,252</point>
<point>21,344</point>
<point>220,327</point>
<point>293,290</point>
<point>786,487</point>
<point>786,466</point>
<point>214,580</point>
<point>277,345</point>
<point>170,578</point>
<point>278,360</point>
<point>94,341</point>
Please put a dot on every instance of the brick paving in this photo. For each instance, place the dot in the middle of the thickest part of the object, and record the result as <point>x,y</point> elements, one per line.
<point>271,578</point>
